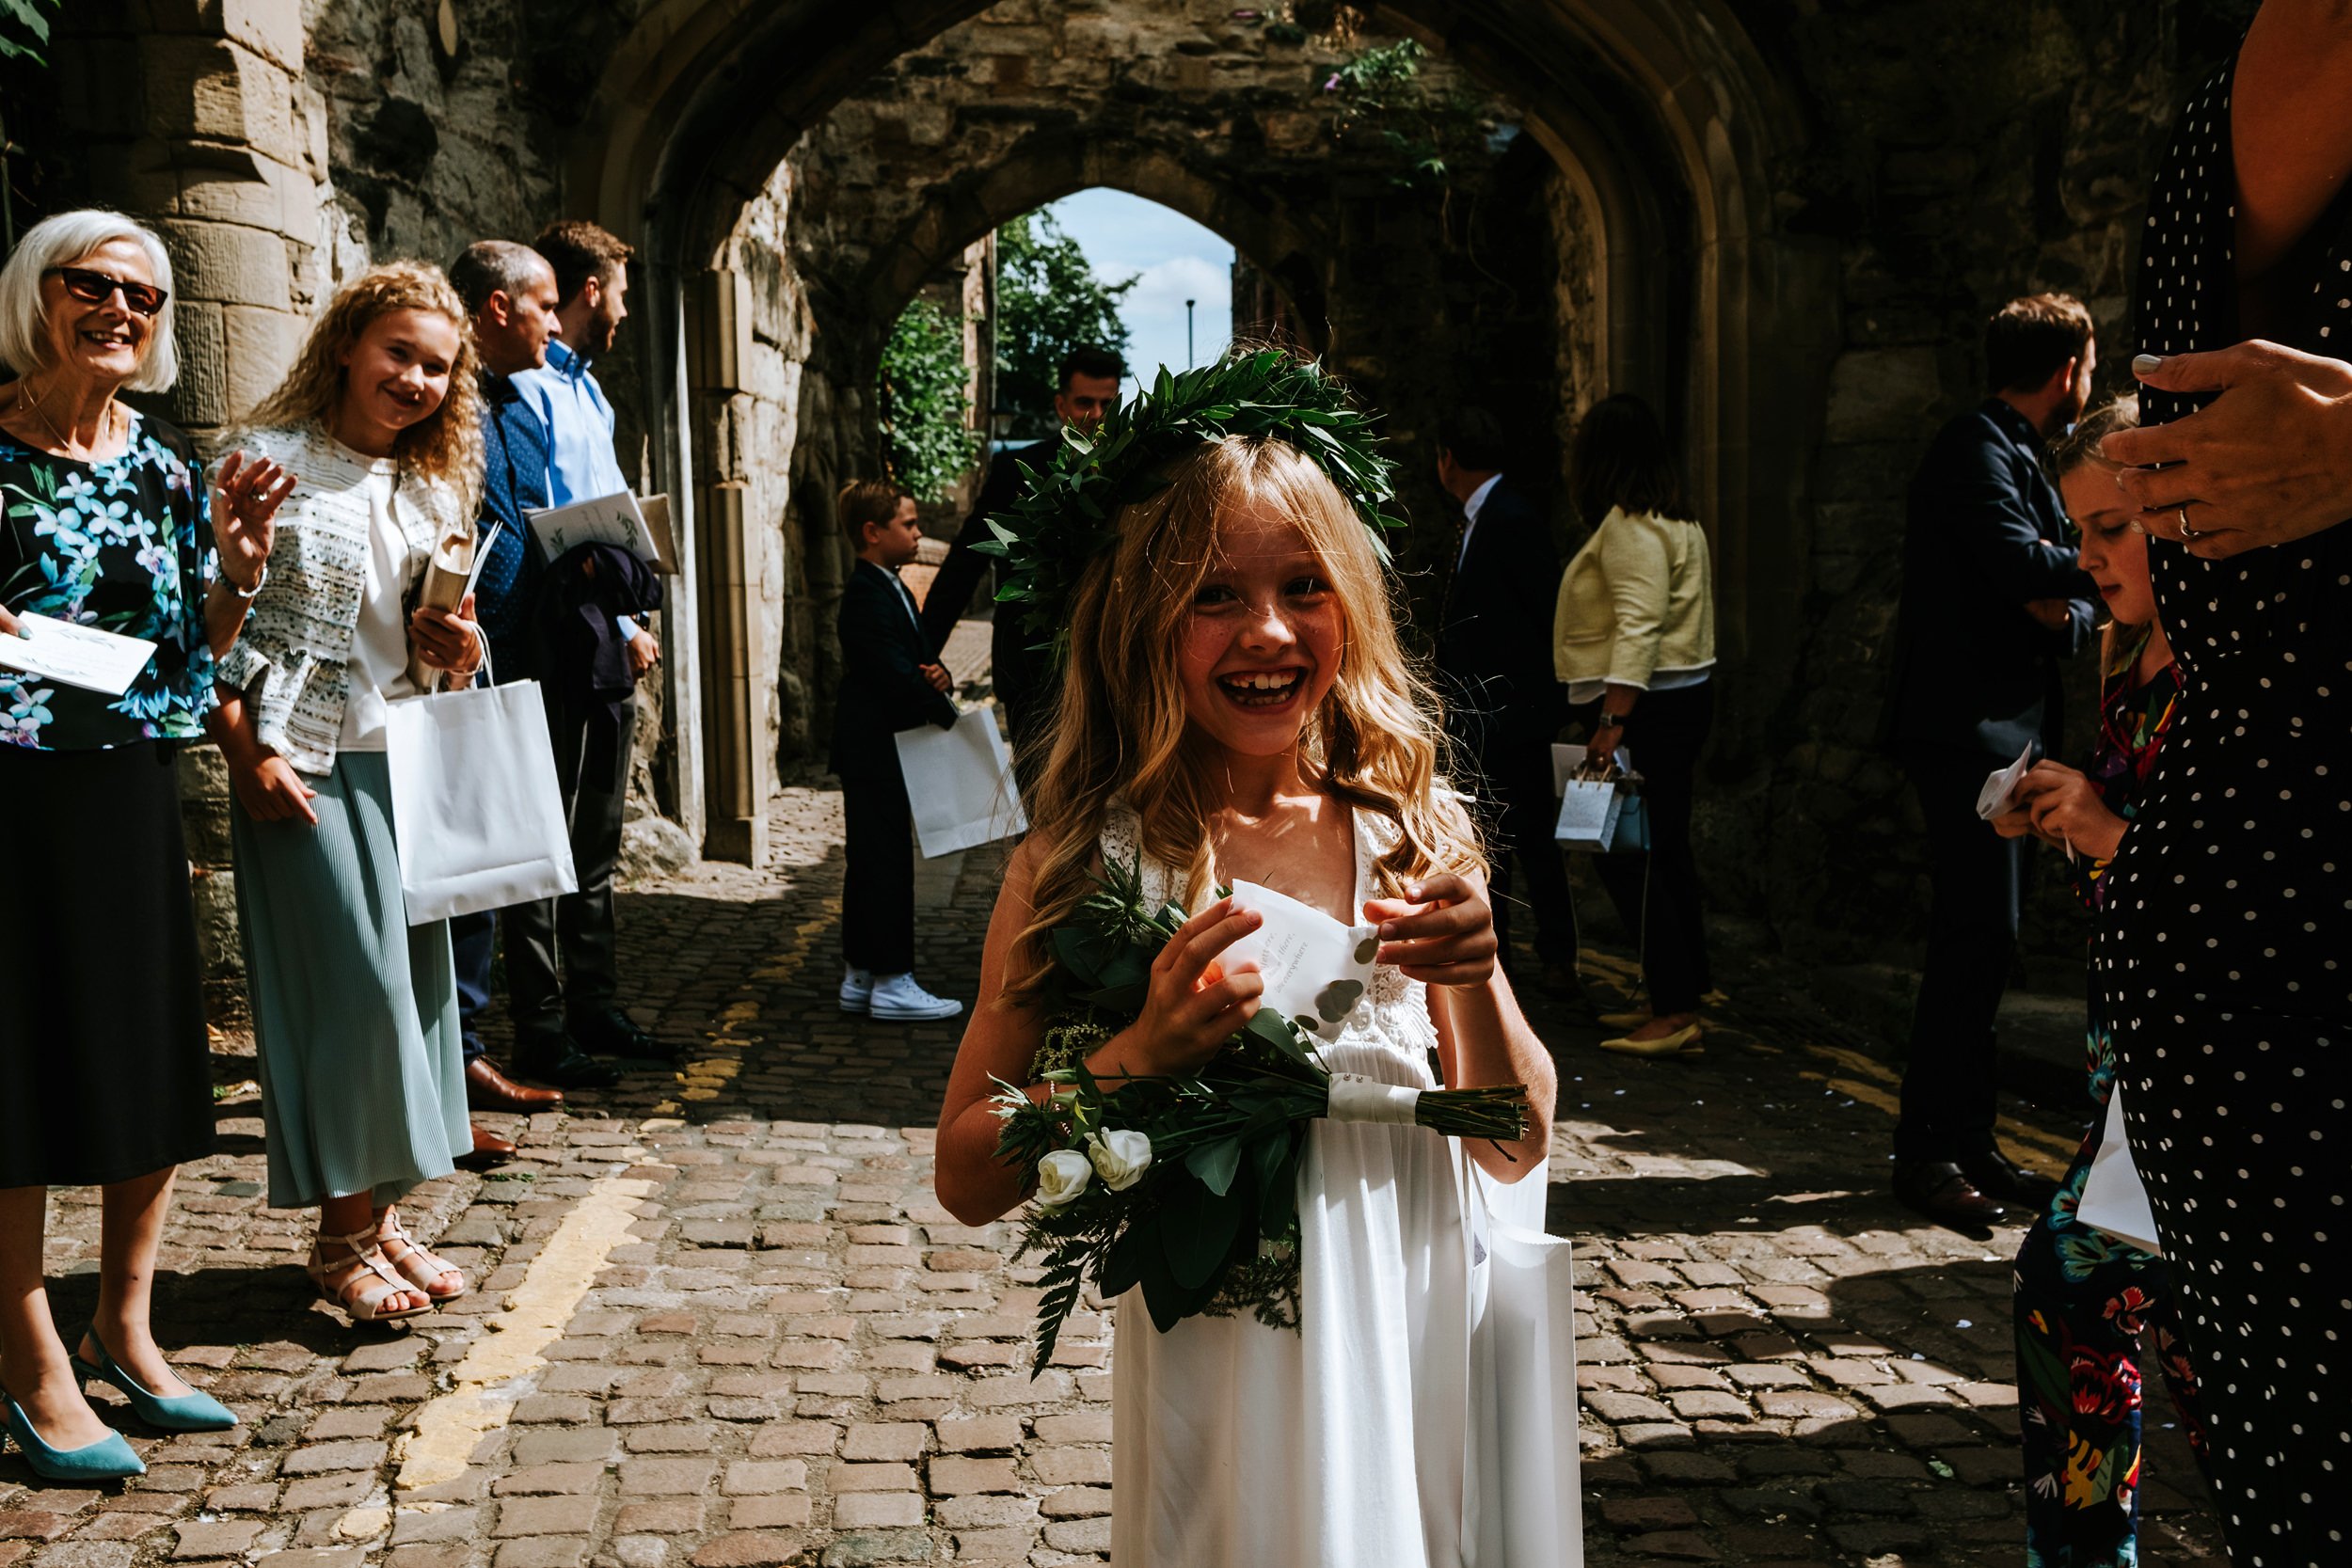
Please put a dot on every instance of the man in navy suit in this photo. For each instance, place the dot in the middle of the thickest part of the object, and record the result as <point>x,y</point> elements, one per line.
<point>1503,704</point>
<point>1018,673</point>
<point>1992,598</point>
<point>889,682</point>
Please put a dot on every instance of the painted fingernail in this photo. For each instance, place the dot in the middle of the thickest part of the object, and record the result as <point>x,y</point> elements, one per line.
<point>1388,930</point>
<point>2146,364</point>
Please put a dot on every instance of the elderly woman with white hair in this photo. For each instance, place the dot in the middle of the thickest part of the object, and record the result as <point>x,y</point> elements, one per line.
<point>107,522</point>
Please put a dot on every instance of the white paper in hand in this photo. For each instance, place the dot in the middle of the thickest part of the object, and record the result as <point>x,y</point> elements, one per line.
<point>1998,797</point>
<point>1315,969</point>
<point>79,656</point>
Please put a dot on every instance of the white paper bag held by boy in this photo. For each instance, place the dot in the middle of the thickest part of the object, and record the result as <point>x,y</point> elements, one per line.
<point>960,784</point>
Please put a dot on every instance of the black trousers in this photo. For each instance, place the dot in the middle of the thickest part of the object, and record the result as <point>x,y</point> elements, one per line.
<point>1658,894</point>
<point>878,877</point>
<point>1517,811</point>
<point>1978,878</point>
<point>574,933</point>
<point>474,941</point>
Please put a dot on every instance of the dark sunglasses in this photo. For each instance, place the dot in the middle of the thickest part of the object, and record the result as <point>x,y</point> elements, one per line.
<point>96,287</point>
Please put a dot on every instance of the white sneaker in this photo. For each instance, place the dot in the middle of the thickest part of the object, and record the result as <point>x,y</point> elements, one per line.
<point>897,996</point>
<point>857,988</point>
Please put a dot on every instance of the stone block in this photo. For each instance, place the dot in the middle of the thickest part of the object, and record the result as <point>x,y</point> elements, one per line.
<point>787,1511</point>
<point>228,263</point>
<point>877,1509</point>
<point>747,1549</point>
<point>262,345</point>
<point>547,1551</point>
<point>759,1477</point>
<point>215,91</point>
<point>199,399</point>
<point>1883,394</point>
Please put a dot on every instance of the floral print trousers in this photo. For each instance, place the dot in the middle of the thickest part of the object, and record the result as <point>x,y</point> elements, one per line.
<point>2082,1302</point>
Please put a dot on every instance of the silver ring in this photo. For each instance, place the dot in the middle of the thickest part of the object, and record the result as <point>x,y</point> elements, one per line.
<point>2186,532</point>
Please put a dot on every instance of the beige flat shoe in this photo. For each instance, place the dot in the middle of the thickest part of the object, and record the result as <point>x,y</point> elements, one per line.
<point>1682,1042</point>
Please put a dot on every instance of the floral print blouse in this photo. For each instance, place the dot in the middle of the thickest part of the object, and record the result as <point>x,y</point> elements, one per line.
<point>2132,721</point>
<point>124,545</point>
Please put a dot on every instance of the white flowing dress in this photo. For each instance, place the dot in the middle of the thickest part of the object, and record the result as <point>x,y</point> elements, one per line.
<point>1424,1414</point>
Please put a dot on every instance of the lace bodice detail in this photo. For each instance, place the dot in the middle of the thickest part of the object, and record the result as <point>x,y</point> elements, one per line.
<point>1390,1035</point>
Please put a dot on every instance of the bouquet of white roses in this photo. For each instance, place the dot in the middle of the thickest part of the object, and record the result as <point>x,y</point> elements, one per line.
<point>1186,1186</point>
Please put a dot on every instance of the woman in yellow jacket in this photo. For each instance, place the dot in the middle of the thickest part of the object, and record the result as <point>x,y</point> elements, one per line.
<point>1633,639</point>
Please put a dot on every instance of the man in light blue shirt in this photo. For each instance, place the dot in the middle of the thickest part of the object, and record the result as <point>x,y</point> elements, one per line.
<point>593,734</point>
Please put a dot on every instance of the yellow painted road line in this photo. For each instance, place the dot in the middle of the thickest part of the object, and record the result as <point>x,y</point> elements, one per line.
<point>492,1377</point>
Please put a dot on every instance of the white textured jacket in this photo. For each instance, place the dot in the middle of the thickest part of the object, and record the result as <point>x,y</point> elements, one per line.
<point>291,663</point>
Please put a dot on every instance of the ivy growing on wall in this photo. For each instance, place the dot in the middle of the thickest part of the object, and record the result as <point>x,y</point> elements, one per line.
<point>927,439</point>
<point>1380,93</point>
<point>24,29</point>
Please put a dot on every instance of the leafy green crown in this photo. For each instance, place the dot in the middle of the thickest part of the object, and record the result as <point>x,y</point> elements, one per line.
<point>1067,508</point>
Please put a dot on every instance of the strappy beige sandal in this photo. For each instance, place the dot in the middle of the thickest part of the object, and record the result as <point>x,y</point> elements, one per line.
<point>416,1265</point>
<point>362,1296</point>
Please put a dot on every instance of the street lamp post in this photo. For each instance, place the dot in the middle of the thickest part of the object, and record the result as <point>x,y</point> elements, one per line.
<point>1188,361</point>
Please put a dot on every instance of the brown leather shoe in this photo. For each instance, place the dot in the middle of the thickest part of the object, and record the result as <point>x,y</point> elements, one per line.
<point>489,1089</point>
<point>1940,1190</point>
<point>489,1151</point>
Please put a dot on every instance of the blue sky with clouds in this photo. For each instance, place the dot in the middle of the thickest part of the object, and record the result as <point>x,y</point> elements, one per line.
<point>1175,259</point>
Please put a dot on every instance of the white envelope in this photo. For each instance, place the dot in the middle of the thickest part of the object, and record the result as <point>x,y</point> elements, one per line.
<point>1315,969</point>
<point>1999,795</point>
<point>2115,1201</point>
<point>960,784</point>
<point>79,656</point>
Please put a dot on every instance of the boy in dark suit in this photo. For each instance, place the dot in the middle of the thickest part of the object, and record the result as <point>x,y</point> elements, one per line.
<point>888,683</point>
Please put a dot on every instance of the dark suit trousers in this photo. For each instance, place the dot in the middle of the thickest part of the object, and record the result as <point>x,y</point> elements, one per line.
<point>1948,1097</point>
<point>877,875</point>
<point>1516,814</point>
<point>473,943</point>
<point>576,928</point>
<point>1658,894</point>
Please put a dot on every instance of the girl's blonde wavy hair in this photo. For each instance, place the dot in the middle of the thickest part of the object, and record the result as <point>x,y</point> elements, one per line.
<point>445,445</point>
<point>1120,729</point>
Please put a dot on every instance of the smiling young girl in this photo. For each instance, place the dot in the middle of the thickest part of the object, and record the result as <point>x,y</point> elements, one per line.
<point>2083,1298</point>
<point>1234,706</point>
<point>355,1011</point>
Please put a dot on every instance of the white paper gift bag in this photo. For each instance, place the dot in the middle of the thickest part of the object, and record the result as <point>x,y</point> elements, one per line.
<point>1588,813</point>
<point>2114,1201</point>
<point>475,808</point>
<point>960,783</point>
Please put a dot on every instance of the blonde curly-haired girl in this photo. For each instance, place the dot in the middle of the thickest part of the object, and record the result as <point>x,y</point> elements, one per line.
<point>1236,705</point>
<point>354,1010</point>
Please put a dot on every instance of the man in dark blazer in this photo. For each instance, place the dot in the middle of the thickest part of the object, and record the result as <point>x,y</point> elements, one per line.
<point>889,682</point>
<point>1018,673</point>
<point>1992,598</point>
<point>1503,706</point>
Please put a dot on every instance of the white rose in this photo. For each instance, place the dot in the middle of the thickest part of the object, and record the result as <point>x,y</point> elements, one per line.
<point>1061,1176</point>
<point>1121,1158</point>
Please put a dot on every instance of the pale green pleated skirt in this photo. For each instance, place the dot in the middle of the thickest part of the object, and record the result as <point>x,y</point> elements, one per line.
<point>355,1011</point>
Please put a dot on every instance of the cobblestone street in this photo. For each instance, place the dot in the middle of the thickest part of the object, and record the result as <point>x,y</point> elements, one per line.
<point>721,1321</point>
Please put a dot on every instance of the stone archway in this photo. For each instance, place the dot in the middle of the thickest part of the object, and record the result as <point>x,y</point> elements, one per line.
<point>1666,122</point>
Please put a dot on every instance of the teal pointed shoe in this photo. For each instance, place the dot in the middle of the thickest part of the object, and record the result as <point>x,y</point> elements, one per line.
<point>109,1459</point>
<point>194,1411</point>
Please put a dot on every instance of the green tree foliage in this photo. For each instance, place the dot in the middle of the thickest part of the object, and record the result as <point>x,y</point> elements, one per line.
<point>927,440</point>
<point>24,29</point>
<point>1048,302</point>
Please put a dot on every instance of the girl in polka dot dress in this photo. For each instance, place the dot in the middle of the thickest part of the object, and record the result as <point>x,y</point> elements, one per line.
<point>2224,964</point>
